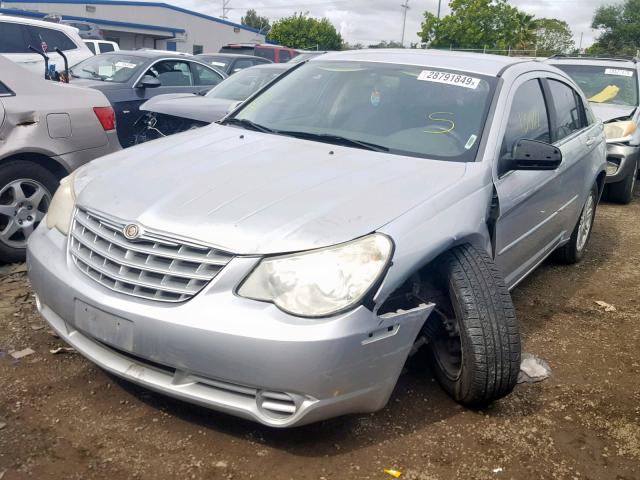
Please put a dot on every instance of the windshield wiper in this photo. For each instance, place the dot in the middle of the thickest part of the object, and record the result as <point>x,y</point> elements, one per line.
<point>94,74</point>
<point>337,139</point>
<point>248,124</point>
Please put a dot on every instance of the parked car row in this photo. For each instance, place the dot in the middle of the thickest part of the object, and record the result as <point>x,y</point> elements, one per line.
<point>282,264</point>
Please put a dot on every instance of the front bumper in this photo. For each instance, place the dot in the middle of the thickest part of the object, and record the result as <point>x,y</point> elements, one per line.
<point>621,161</point>
<point>224,352</point>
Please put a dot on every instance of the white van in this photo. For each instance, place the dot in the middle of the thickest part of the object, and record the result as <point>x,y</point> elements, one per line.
<point>101,46</point>
<point>18,34</point>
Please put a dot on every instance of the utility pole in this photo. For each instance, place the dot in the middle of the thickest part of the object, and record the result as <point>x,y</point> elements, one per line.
<point>405,7</point>
<point>580,47</point>
<point>225,8</point>
<point>439,8</point>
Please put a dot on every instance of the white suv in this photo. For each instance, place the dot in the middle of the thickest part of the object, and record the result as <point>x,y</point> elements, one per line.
<point>18,34</point>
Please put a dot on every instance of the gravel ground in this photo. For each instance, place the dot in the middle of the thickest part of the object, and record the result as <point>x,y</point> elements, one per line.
<point>63,418</point>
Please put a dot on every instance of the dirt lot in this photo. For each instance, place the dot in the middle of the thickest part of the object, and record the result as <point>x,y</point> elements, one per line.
<point>63,418</point>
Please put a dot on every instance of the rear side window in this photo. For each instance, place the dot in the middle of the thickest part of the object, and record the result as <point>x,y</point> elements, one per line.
<point>242,64</point>
<point>52,38</point>
<point>5,91</point>
<point>15,38</point>
<point>569,111</point>
<point>285,56</point>
<point>105,47</point>
<point>268,53</point>
<point>91,47</point>
<point>528,119</point>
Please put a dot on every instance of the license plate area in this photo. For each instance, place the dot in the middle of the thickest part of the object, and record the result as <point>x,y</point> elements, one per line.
<point>110,329</point>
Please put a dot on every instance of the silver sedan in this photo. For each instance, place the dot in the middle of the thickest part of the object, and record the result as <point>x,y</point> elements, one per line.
<point>282,265</point>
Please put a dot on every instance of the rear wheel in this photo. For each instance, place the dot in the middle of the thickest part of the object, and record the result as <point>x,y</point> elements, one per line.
<point>474,338</point>
<point>25,194</point>
<point>573,251</point>
<point>622,192</point>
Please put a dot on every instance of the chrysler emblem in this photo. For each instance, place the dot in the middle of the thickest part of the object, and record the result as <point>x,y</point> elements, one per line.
<point>132,231</point>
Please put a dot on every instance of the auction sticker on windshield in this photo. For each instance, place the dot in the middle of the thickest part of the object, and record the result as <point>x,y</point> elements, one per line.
<point>449,78</point>
<point>618,72</point>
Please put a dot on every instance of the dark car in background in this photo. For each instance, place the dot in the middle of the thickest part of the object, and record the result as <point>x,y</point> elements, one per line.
<point>275,53</point>
<point>169,114</point>
<point>130,78</point>
<point>231,63</point>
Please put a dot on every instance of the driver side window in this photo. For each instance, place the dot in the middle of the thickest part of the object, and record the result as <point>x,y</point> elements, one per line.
<point>528,118</point>
<point>172,73</point>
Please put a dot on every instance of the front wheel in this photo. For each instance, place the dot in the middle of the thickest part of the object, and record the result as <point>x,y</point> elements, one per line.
<point>474,335</point>
<point>25,194</point>
<point>573,251</point>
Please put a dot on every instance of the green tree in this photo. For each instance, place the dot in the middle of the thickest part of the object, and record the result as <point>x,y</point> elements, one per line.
<point>301,31</point>
<point>620,27</point>
<point>553,36</point>
<point>385,44</point>
<point>479,24</point>
<point>253,20</point>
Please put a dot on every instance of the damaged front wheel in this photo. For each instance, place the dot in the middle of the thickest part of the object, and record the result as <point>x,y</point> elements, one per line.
<point>474,338</point>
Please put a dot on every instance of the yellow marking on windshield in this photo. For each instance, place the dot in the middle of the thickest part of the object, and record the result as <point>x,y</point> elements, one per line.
<point>441,129</point>
<point>609,93</point>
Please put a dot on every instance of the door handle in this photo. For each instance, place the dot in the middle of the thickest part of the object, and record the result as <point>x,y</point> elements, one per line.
<point>590,141</point>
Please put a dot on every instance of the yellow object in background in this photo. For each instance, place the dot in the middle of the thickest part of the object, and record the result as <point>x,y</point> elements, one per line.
<point>393,473</point>
<point>609,93</point>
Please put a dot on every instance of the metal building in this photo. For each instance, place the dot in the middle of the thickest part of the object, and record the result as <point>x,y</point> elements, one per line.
<point>140,24</point>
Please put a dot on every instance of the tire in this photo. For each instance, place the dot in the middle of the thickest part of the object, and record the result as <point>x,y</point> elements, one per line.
<point>475,343</point>
<point>622,192</point>
<point>573,251</point>
<point>37,185</point>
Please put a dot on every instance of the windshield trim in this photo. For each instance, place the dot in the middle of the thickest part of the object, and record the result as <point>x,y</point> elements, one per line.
<point>475,153</point>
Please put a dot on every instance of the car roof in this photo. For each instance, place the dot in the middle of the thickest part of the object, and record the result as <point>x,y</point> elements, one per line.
<point>594,61</point>
<point>229,55</point>
<point>38,23</point>
<point>484,64</point>
<point>150,54</point>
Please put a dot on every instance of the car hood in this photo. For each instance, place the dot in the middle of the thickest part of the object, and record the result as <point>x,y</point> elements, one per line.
<point>253,193</point>
<point>607,112</point>
<point>185,105</point>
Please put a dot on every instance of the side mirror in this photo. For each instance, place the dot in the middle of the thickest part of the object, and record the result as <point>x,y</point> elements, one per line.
<point>148,81</point>
<point>534,155</point>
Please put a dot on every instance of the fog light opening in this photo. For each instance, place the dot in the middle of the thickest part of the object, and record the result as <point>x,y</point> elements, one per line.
<point>276,405</point>
<point>613,165</point>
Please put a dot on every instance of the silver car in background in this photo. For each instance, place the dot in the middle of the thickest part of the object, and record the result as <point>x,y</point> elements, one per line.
<point>47,130</point>
<point>611,86</point>
<point>282,265</point>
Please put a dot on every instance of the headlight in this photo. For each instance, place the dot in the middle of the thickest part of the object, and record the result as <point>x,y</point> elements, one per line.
<point>61,208</point>
<point>620,131</point>
<point>321,282</point>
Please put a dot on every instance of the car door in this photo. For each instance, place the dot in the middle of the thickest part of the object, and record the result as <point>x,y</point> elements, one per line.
<point>175,76</point>
<point>205,78</point>
<point>534,206</point>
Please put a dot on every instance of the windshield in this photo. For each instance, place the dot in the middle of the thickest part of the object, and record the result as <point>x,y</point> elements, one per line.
<point>402,109</point>
<point>244,83</point>
<point>116,68</point>
<point>618,86</point>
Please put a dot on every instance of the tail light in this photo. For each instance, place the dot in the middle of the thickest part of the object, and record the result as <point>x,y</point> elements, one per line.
<point>106,117</point>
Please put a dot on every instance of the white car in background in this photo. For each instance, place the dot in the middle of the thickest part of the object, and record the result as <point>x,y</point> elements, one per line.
<point>101,46</point>
<point>19,33</point>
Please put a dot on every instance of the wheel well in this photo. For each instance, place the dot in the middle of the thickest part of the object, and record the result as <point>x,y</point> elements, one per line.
<point>47,162</point>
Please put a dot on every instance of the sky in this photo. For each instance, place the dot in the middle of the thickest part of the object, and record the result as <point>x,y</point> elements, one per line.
<point>370,21</point>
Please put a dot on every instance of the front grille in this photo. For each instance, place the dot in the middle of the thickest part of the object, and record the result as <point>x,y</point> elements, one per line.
<point>153,266</point>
